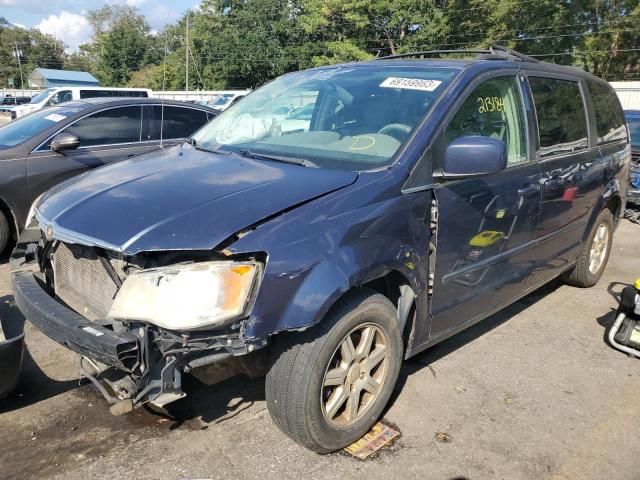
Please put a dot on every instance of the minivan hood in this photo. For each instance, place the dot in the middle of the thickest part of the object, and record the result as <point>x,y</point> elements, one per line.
<point>179,199</point>
<point>29,107</point>
<point>21,110</point>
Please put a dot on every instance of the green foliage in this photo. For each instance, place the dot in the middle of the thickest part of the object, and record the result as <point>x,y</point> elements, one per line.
<point>122,43</point>
<point>244,43</point>
<point>37,49</point>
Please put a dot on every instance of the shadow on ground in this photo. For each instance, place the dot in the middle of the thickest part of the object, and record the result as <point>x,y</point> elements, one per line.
<point>220,402</point>
<point>444,348</point>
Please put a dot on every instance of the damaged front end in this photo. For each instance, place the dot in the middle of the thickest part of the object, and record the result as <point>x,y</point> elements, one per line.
<point>140,322</point>
<point>633,195</point>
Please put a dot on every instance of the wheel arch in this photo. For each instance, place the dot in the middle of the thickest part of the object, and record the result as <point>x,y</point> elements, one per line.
<point>611,199</point>
<point>6,210</point>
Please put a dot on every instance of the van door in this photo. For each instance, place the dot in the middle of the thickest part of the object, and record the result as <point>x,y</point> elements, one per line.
<point>106,136</point>
<point>486,224</point>
<point>572,172</point>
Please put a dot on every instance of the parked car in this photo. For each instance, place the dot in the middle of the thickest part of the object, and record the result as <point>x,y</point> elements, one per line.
<point>48,146</point>
<point>10,100</point>
<point>633,121</point>
<point>225,100</point>
<point>57,95</point>
<point>423,196</point>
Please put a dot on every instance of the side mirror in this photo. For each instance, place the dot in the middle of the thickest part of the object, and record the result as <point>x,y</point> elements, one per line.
<point>474,155</point>
<point>64,141</point>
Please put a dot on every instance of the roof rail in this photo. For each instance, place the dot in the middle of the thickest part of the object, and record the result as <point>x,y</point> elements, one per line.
<point>495,52</point>
<point>512,53</point>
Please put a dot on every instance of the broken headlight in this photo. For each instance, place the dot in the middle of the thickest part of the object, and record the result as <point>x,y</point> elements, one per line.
<point>188,296</point>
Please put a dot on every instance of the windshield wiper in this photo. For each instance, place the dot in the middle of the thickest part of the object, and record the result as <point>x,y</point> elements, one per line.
<point>194,144</point>
<point>277,158</point>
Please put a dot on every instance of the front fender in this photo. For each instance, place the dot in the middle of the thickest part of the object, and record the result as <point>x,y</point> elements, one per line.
<point>319,252</point>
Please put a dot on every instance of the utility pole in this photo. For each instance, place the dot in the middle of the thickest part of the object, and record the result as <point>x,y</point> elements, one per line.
<point>17,53</point>
<point>186,53</point>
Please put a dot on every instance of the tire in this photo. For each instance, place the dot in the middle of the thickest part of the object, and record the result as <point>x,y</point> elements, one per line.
<point>5,233</point>
<point>582,275</point>
<point>298,402</point>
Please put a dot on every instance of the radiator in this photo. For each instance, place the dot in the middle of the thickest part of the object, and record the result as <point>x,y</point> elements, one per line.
<point>81,280</point>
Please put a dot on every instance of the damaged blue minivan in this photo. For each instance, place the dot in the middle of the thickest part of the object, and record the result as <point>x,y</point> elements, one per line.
<point>331,224</point>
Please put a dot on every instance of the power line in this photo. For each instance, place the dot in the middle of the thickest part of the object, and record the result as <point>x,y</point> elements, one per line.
<point>586,52</point>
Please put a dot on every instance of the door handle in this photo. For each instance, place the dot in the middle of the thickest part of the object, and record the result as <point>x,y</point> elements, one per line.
<point>528,190</point>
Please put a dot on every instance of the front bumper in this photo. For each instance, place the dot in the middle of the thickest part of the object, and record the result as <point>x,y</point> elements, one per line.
<point>633,193</point>
<point>66,327</point>
<point>139,363</point>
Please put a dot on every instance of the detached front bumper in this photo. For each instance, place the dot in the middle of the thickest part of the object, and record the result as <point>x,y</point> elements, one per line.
<point>66,327</point>
<point>139,363</point>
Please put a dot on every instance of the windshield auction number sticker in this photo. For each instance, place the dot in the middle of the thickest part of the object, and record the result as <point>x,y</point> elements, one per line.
<point>411,83</point>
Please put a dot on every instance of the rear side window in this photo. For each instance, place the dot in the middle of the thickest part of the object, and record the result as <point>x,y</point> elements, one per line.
<point>113,126</point>
<point>129,93</point>
<point>112,93</point>
<point>610,123</point>
<point>562,121</point>
<point>179,122</point>
<point>94,93</point>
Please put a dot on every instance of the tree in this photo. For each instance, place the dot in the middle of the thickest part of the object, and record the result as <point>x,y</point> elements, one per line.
<point>593,34</point>
<point>36,49</point>
<point>610,45</point>
<point>122,43</point>
<point>244,43</point>
<point>374,27</point>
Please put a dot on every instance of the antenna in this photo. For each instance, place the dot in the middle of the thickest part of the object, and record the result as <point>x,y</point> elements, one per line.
<point>164,85</point>
<point>186,54</point>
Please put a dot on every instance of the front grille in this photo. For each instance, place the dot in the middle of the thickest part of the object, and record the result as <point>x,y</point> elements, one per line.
<point>82,281</point>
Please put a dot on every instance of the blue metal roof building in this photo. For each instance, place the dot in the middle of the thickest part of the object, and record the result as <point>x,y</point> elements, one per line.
<point>46,78</point>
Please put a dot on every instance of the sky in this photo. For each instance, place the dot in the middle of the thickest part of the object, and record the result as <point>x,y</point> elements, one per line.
<point>65,19</point>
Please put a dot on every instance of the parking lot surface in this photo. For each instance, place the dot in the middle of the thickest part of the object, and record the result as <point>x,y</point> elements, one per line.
<point>532,392</point>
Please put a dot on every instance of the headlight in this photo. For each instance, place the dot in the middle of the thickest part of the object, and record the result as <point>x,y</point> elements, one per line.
<point>189,296</point>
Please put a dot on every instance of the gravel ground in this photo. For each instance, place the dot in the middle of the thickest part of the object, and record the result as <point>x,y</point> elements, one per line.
<point>532,392</point>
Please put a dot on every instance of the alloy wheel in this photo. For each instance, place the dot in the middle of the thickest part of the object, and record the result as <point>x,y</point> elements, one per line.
<point>355,375</point>
<point>599,248</point>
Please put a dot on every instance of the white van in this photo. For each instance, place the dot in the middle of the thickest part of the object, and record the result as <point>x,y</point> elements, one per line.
<point>54,96</point>
<point>226,98</point>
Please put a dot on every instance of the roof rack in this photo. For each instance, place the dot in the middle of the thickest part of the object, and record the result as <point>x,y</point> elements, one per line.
<point>495,52</point>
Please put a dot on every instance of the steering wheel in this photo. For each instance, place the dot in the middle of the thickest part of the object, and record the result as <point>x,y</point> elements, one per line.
<point>399,131</point>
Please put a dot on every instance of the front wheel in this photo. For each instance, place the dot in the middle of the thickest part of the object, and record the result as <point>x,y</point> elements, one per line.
<point>327,386</point>
<point>595,253</point>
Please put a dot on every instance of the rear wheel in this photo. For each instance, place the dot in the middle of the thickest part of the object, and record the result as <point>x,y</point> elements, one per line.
<point>595,253</point>
<point>327,386</point>
<point>5,232</point>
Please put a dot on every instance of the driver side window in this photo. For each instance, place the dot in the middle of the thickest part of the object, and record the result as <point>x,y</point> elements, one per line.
<point>494,109</point>
<point>61,97</point>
